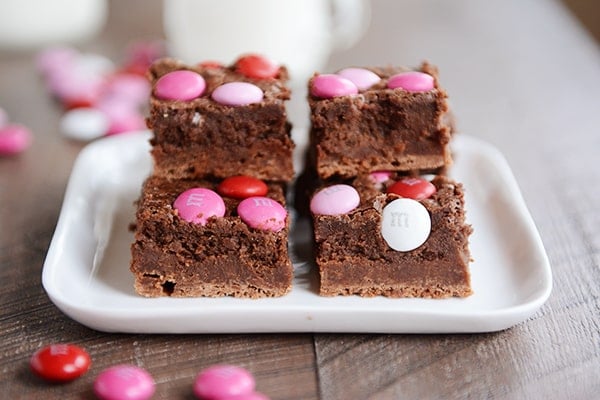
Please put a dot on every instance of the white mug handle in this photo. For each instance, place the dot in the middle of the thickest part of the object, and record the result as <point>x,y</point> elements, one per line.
<point>350,21</point>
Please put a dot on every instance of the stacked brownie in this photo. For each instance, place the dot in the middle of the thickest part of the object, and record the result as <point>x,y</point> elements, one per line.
<point>387,220</point>
<point>211,219</point>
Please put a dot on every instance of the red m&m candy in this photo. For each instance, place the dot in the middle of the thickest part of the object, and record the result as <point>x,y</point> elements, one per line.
<point>256,66</point>
<point>242,187</point>
<point>413,188</point>
<point>60,362</point>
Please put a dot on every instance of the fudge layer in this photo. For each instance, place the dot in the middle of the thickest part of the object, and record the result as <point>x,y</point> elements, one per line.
<point>202,137</point>
<point>225,257</point>
<point>353,257</point>
<point>381,128</point>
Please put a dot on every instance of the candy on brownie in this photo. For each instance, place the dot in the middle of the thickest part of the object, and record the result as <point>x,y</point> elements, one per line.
<point>210,119</point>
<point>211,238</point>
<point>378,118</point>
<point>389,235</point>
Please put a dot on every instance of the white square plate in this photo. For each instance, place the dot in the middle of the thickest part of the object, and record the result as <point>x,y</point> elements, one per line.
<point>86,272</point>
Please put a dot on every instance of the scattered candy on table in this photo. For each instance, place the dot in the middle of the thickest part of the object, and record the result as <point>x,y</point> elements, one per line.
<point>124,382</point>
<point>93,82</point>
<point>14,138</point>
<point>220,381</point>
<point>60,362</point>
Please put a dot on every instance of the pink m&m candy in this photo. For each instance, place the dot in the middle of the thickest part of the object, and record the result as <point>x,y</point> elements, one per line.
<point>197,205</point>
<point>242,186</point>
<point>412,81</point>
<point>362,78</point>
<point>237,94</point>
<point>413,188</point>
<point>60,362</point>
<point>328,85</point>
<point>124,382</point>
<point>335,200</point>
<point>380,176</point>
<point>262,213</point>
<point>220,381</point>
<point>14,139</point>
<point>180,85</point>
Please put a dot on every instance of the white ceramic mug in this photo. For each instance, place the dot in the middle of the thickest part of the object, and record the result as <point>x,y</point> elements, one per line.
<point>26,24</point>
<point>298,33</point>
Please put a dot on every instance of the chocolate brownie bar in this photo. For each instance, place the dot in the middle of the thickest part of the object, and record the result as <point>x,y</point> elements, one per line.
<point>356,255</point>
<point>359,124</point>
<point>224,255</point>
<point>202,136</point>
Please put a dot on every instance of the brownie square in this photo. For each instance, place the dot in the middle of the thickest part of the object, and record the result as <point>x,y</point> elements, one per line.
<point>202,137</point>
<point>380,128</point>
<point>225,257</point>
<point>354,258</point>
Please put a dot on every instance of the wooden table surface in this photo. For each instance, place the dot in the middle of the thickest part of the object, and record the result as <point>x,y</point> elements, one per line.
<point>522,75</point>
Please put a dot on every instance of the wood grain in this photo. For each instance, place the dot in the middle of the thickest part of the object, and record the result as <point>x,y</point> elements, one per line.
<point>524,76</point>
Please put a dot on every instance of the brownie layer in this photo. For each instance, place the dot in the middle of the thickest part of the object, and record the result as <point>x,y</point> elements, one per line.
<point>381,129</point>
<point>353,257</point>
<point>172,257</point>
<point>201,137</point>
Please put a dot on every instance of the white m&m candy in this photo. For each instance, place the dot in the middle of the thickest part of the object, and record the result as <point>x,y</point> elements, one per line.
<point>405,224</point>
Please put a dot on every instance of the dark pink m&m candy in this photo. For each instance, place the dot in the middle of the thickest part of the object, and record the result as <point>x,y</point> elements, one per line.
<point>197,205</point>
<point>413,188</point>
<point>262,213</point>
<point>60,362</point>
<point>327,86</point>
<point>242,186</point>
<point>223,381</point>
<point>412,81</point>
<point>14,139</point>
<point>180,85</point>
<point>124,382</point>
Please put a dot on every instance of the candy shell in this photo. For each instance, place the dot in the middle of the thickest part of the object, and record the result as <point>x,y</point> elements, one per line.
<point>197,205</point>
<point>412,81</point>
<point>257,66</point>
<point>262,213</point>
<point>327,86</point>
<point>60,362</point>
<point>362,78</point>
<point>237,94</point>
<point>405,224</point>
<point>220,381</point>
<point>124,382</point>
<point>413,188</point>
<point>335,200</point>
<point>180,85</point>
<point>84,124</point>
<point>242,186</point>
<point>14,139</point>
